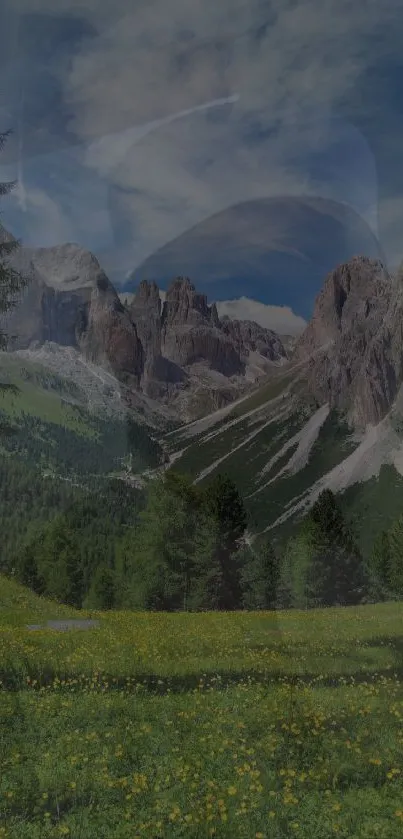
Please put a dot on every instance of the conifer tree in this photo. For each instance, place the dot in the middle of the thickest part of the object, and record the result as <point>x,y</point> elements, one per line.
<point>323,564</point>
<point>380,567</point>
<point>260,577</point>
<point>11,284</point>
<point>224,504</point>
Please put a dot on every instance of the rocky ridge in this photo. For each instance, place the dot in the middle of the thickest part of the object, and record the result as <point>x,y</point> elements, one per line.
<point>179,353</point>
<point>353,345</point>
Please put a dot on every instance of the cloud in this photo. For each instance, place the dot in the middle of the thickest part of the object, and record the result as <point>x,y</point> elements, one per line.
<point>49,225</point>
<point>160,57</point>
<point>280,319</point>
<point>289,65</point>
<point>151,174</point>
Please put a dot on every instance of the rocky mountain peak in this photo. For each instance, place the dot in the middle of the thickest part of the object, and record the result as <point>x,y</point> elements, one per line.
<point>353,345</point>
<point>176,352</point>
<point>250,336</point>
<point>147,291</point>
<point>185,306</point>
<point>350,296</point>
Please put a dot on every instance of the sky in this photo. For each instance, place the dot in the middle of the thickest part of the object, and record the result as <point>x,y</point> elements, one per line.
<point>135,122</point>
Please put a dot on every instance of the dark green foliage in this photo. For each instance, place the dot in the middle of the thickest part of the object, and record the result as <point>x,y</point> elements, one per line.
<point>65,452</point>
<point>260,577</point>
<point>380,567</point>
<point>179,547</point>
<point>224,504</point>
<point>162,562</point>
<point>386,563</point>
<point>395,559</point>
<point>102,593</point>
<point>322,565</point>
<point>11,282</point>
<point>54,535</point>
<point>27,568</point>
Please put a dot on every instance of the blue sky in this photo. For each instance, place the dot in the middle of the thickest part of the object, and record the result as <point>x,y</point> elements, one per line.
<point>134,122</point>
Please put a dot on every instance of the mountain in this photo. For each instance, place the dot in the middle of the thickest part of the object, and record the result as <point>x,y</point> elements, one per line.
<point>332,417</point>
<point>223,394</point>
<point>355,341</point>
<point>179,355</point>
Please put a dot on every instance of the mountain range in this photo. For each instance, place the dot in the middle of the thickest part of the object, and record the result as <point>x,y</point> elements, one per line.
<point>224,394</point>
<point>178,354</point>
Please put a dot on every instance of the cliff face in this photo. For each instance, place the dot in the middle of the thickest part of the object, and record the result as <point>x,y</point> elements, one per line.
<point>191,331</point>
<point>181,353</point>
<point>157,349</point>
<point>251,337</point>
<point>352,346</point>
<point>111,337</point>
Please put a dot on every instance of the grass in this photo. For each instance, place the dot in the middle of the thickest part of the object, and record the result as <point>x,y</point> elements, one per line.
<point>374,505</point>
<point>228,725</point>
<point>37,400</point>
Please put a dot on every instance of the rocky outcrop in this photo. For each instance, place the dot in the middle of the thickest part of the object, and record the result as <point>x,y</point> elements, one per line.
<point>248,335</point>
<point>351,347</point>
<point>111,337</point>
<point>47,312</point>
<point>145,311</point>
<point>69,301</point>
<point>191,331</point>
<point>181,346</point>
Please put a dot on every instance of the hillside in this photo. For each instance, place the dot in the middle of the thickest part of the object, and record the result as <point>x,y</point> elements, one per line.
<point>331,418</point>
<point>120,388</point>
<point>69,445</point>
<point>66,426</point>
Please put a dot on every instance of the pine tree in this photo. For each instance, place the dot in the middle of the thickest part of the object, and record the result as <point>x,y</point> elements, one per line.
<point>323,566</point>
<point>298,588</point>
<point>161,558</point>
<point>380,567</point>
<point>337,567</point>
<point>58,561</point>
<point>101,595</point>
<point>224,504</point>
<point>260,577</point>
<point>11,285</point>
<point>27,565</point>
<point>395,559</point>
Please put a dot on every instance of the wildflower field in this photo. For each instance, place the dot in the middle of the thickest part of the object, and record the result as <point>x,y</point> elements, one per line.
<point>254,725</point>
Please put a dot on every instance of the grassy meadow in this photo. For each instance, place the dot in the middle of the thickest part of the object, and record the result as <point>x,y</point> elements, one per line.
<point>251,725</point>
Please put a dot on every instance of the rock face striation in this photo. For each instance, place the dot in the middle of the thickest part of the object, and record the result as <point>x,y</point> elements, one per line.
<point>191,331</point>
<point>158,349</point>
<point>180,353</point>
<point>353,345</point>
<point>248,335</point>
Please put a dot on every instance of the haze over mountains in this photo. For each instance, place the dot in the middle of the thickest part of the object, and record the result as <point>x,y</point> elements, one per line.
<point>284,417</point>
<point>175,352</point>
<point>351,349</point>
<point>278,248</point>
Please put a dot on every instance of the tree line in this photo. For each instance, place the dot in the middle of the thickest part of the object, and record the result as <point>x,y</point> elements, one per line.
<point>178,547</point>
<point>181,547</point>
